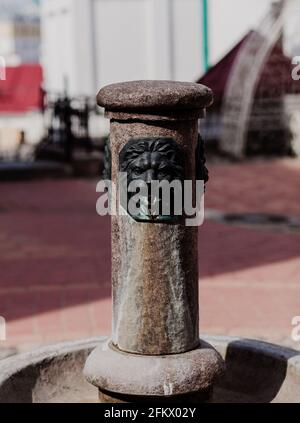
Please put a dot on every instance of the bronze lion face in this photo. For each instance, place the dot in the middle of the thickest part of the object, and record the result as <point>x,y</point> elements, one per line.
<point>152,159</point>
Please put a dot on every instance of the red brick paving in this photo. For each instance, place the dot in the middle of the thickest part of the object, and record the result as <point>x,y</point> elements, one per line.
<point>55,258</point>
<point>269,187</point>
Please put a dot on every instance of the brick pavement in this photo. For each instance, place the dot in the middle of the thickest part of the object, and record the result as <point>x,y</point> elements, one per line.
<point>55,258</point>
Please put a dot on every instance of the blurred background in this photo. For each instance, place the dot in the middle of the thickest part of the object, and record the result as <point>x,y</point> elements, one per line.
<point>55,55</point>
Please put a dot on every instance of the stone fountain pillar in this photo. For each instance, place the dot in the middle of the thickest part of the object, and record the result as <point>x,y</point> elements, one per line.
<point>154,351</point>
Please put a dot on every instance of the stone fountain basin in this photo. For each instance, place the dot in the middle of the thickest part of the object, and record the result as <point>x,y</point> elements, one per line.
<point>257,372</point>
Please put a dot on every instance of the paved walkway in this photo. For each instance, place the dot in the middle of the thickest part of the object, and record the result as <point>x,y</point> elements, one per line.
<point>55,258</point>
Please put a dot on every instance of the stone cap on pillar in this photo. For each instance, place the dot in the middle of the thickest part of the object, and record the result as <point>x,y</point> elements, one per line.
<point>156,98</point>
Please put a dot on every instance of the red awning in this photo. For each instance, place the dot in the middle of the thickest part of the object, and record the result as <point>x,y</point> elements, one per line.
<point>21,91</point>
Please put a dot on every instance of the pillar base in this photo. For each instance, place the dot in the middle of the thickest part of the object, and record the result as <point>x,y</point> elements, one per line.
<point>122,377</point>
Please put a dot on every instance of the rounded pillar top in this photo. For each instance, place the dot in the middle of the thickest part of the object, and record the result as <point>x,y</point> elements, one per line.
<point>154,97</point>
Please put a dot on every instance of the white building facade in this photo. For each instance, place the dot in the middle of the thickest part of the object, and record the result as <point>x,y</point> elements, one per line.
<point>91,43</point>
<point>87,44</point>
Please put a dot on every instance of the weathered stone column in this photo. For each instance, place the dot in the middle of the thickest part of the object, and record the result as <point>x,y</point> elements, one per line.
<point>155,349</point>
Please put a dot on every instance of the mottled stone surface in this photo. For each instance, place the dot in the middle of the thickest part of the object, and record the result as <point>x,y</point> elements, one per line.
<point>155,343</point>
<point>7,352</point>
<point>51,374</point>
<point>156,297</point>
<point>155,115</point>
<point>154,95</point>
<point>161,376</point>
<point>154,266</point>
<point>255,372</point>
